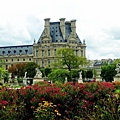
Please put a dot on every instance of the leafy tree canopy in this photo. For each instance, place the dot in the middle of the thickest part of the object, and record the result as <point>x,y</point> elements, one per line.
<point>30,69</point>
<point>108,72</point>
<point>46,71</point>
<point>65,57</point>
<point>17,69</point>
<point>3,73</point>
<point>59,75</point>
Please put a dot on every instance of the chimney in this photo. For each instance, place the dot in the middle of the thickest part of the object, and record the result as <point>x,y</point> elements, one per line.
<point>62,27</point>
<point>73,27</point>
<point>47,26</point>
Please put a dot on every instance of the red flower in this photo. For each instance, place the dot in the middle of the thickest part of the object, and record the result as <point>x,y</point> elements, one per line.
<point>58,105</point>
<point>4,102</point>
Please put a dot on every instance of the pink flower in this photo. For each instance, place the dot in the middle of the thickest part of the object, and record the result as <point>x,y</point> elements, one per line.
<point>4,102</point>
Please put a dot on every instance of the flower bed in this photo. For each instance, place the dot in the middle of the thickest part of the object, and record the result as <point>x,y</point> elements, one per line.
<point>44,101</point>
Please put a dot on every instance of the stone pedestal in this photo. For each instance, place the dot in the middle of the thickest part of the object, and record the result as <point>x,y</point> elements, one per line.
<point>80,80</point>
<point>35,80</point>
<point>24,81</point>
<point>98,78</point>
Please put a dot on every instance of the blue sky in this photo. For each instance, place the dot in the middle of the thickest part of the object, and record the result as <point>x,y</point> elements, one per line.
<point>98,22</point>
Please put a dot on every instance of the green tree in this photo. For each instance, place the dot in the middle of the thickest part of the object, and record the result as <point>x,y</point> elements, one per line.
<point>59,75</point>
<point>46,71</point>
<point>117,61</point>
<point>108,72</point>
<point>89,74</point>
<point>74,73</point>
<point>3,73</point>
<point>30,69</point>
<point>65,57</point>
<point>95,72</point>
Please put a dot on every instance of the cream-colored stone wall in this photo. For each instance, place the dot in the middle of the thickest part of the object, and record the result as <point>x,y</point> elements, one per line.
<point>14,59</point>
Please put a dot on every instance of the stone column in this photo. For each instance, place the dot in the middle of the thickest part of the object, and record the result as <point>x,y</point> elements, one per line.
<point>62,26</point>
<point>47,26</point>
<point>73,27</point>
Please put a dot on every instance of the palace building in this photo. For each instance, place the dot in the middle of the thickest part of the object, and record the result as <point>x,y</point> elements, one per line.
<point>55,35</point>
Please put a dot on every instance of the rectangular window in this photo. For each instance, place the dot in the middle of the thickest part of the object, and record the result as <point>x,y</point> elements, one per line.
<point>29,59</point>
<point>6,60</point>
<point>48,62</point>
<point>54,51</point>
<point>23,59</point>
<point>36,53</point>
<point>37,62</point>
<point>42,63</point>
<point>48,52</point>
<point>76,52</point>
<point>81,53</point>
<point>42,52</point>
<point>12,60</point>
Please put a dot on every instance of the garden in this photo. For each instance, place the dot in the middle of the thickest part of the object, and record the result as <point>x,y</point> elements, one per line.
<point>61,101</point>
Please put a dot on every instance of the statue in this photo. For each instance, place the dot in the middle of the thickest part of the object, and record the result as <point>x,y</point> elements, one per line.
<point>118,68</point>
<point>25,75</point>
<point>38,73</point>
<point>80,77</point>
<point>117,76</point>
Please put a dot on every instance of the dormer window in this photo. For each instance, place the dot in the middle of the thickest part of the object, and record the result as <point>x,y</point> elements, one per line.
<point>9,52</point>
<point>3,52</point>
<point>26,51</point>
<point>20,51</point>
<point>14,51</point>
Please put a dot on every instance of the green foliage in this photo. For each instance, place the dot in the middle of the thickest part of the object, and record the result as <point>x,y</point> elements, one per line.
<point>83,73</point>
<point>66,58</point>
<point>59,75</point>
<point>46,71</point>
<point>30,69</point>
<point>3,73</point>
<point>89,74</point>
<point>95,72</point>
<point>108,72</point>
<point>74,73</point>
<point>116,61</point>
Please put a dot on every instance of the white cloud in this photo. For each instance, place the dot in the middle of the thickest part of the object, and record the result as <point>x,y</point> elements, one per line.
<point>98,21</point>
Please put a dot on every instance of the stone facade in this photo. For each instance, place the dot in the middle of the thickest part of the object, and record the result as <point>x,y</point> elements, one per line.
<point>55,35</point>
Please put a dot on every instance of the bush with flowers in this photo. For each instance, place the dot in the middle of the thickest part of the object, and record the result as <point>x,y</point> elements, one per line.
<point>80,101</point>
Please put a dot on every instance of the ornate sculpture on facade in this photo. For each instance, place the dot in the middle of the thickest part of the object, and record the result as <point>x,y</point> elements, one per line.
<point>45,33</point>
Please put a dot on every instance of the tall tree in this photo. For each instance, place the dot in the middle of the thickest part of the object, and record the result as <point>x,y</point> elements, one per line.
<point>17,69</point>
<point>59,75</point>
<point>89,73</point>
<point>30,69</point>
<point>108,72</point>
<point>65,57</point>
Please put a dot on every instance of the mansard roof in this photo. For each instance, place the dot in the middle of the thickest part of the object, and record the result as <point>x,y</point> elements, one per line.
<point>55,32</point>
<point>16,50</point>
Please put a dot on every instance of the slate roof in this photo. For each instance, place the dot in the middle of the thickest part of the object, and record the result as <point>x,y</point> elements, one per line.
<point>16,50</point>
<point>56,33</point>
